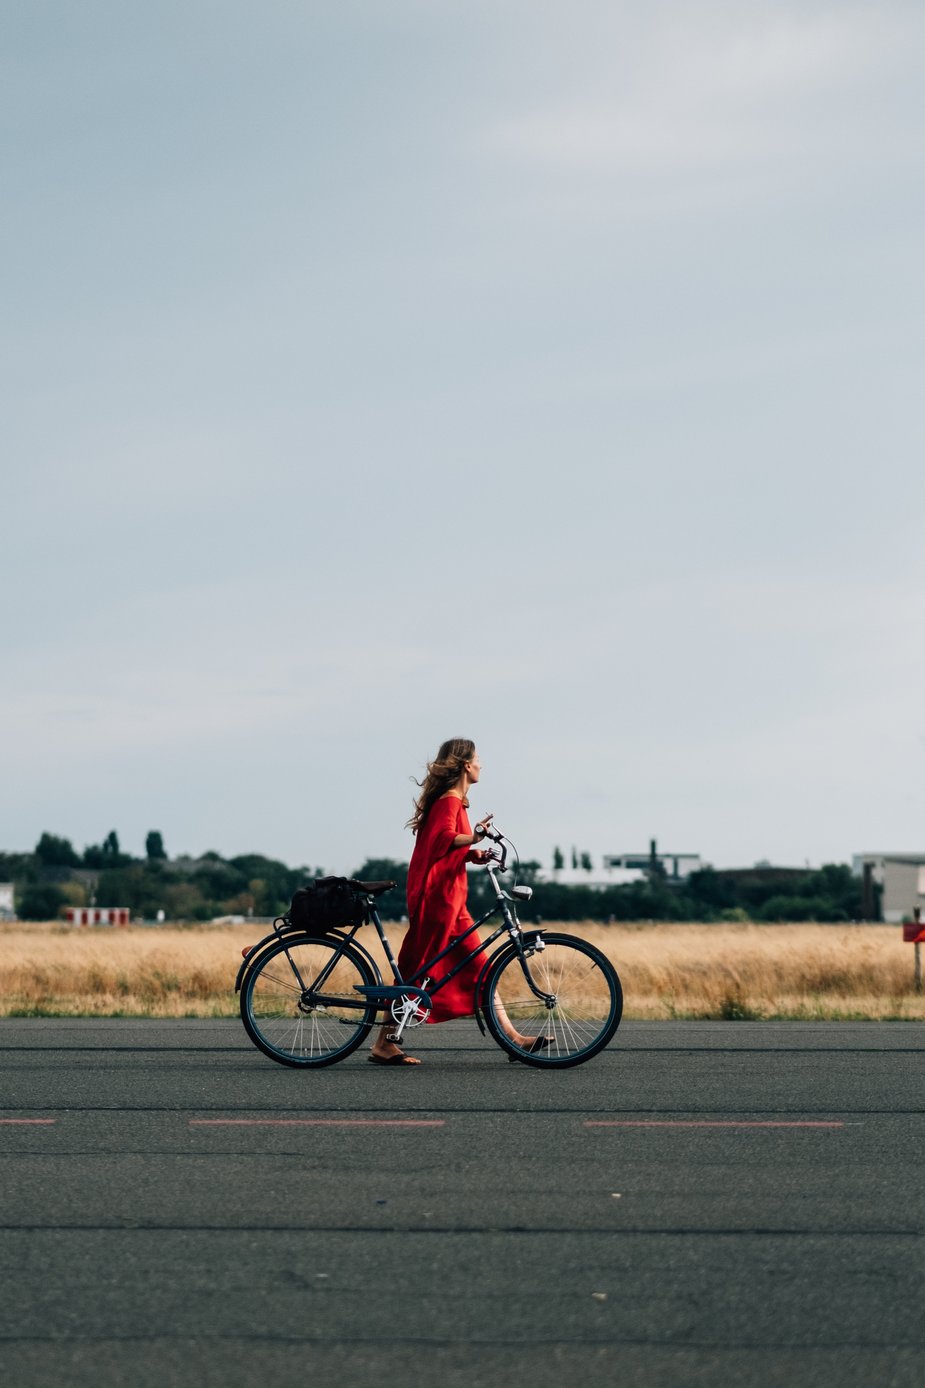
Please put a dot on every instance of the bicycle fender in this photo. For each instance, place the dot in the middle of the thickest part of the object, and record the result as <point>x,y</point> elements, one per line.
<point>249,958</point>
<point>256,950</point>
<point>478,994</point>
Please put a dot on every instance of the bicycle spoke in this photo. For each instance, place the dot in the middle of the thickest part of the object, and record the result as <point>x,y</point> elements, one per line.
<point>291,1026</point>
<point>288,983</point>
<point>586,1001</point>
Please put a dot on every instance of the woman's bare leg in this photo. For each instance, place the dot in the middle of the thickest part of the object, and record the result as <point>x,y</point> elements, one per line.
<point>384,1049</point>
<point>508,1027</point>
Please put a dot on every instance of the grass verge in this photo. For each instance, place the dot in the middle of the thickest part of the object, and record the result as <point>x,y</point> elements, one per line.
<point>710,972</point>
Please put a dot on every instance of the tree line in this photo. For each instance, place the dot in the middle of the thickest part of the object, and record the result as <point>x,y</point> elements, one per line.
<point>55,875</point>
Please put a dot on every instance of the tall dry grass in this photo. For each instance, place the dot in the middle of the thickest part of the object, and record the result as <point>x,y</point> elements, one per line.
<point>705,971</point>
<point>739,972</point>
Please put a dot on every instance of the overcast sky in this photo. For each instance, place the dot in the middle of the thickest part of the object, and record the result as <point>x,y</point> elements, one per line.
<point>545,373</point>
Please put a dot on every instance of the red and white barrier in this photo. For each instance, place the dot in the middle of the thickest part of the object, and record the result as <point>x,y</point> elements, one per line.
<point>98,915</point>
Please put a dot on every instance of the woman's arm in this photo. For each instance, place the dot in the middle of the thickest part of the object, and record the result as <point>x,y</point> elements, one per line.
<point>469,840</point>
<point>441,827</point>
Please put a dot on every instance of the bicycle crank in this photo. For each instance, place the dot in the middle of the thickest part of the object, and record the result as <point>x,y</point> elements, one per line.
<point>408,1012</point>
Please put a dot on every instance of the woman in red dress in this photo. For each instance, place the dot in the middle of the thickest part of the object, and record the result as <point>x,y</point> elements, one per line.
<point>437,889</point>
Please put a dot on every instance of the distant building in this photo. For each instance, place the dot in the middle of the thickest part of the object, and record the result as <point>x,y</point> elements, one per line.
<point>901,879</point>
<point>676,866</point>
<point>7,913</point>
<point>599,879</point>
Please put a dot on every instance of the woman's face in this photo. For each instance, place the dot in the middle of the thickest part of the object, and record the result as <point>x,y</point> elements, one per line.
<point>474,768</point>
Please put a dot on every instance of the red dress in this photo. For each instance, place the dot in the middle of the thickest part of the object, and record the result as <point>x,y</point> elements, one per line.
<point>437,890</point>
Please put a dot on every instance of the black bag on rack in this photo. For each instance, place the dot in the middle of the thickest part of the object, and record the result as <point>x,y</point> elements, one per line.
<point>326,903</point>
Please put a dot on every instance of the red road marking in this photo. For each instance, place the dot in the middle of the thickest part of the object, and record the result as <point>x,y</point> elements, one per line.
<point>316,1122</point>
<point>706,1123</point>
<point>27,1120</point>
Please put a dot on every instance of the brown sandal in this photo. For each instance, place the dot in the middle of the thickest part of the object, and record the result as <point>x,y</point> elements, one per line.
<point>539,1043</point>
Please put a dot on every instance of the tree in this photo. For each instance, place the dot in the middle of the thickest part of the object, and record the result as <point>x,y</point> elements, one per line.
<point>123,886</point>
<point>106,854</point>
<point>279,880</point>
<point>558,859</point>
<point>586,862</point>
<point>218,880</point>
<point>16,865</point>
<point>528,871</point>
<point>800,908</point>
<point>184,901</point>
<point>392,903</point>
<point>73,893</point>
<point>54,852</point>
<point>154,846</point>
<point>40,903</point>
<point>574,856</point>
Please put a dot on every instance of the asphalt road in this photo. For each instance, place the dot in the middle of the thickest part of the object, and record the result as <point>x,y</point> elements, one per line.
<point>736,1203</point>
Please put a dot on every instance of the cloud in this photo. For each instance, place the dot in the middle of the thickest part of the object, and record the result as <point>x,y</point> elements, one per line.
<point>709,88</point>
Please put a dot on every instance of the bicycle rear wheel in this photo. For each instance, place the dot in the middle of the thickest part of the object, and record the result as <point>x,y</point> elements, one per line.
<point>298,1002</point>
<point>564,997</point>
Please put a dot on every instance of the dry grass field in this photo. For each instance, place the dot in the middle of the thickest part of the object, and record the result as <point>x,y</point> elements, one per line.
<point>732,972</point>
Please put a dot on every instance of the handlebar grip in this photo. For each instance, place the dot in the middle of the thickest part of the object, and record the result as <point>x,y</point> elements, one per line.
<point>497,837</point>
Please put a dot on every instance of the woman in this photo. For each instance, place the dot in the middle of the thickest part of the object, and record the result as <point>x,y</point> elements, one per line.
<point>437,887</point>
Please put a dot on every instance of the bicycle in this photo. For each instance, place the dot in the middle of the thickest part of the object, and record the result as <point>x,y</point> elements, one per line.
<point>310,997</point>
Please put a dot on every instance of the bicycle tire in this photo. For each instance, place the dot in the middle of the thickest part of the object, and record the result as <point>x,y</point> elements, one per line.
<point>587,1006</point>
<point>284,1023</point>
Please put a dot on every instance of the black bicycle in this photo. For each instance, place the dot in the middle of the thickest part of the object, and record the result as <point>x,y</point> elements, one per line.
<point>310,996</point>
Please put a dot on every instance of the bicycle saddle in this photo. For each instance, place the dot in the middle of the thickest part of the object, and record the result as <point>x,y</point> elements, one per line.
<point>372,888</point>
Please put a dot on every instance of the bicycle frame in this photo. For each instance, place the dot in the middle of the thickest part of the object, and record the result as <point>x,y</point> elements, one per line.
<point>419,981</point>
<point>546,998</point>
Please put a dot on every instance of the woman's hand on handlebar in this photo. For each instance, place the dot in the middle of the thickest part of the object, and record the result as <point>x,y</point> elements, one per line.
<point>485,829</point>
<point>480,856</point>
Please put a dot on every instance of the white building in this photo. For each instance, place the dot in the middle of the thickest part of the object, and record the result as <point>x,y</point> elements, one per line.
<point>599,878</point>
<point>6,901</point>
<point>674,865</point>
<point>901,878</point>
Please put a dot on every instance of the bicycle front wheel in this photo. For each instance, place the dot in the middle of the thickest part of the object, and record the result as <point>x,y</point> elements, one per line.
<point>561,996</point>
<point>299,1004</point>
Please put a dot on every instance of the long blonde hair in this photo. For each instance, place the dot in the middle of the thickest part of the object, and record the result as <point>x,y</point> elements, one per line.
<point>442,774</point>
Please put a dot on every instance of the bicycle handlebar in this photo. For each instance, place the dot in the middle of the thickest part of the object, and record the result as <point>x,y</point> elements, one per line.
<point>497,837</point>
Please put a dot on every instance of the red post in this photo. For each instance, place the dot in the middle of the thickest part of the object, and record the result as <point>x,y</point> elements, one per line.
<point>914,934</point>
<point>914,930</point>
